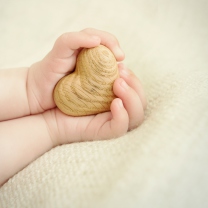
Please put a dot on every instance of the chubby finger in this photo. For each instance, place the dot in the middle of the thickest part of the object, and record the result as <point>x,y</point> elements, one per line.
<point>131,101</point>
<point>67,43</point>
<point>133,81</point>
<point>109,41</point>
<point>118,124</point>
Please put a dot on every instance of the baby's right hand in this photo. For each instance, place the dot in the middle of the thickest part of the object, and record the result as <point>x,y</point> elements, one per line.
<point>127,112</point>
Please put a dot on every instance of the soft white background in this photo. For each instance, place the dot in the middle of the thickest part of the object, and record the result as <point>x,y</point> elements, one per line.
<point>163,163</point>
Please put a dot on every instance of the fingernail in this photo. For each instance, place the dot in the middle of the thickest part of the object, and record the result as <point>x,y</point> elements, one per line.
<point>120,103</point>
<point>123,84</point>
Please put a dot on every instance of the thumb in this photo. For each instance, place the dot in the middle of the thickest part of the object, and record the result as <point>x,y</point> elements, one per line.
<point>118,125</point>
<point>62,57</point>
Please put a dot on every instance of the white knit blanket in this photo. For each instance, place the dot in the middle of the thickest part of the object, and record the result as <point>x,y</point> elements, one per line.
<point>161,164</point>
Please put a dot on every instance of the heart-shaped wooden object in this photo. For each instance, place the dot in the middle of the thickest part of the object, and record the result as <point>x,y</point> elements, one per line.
<point>89,89</point>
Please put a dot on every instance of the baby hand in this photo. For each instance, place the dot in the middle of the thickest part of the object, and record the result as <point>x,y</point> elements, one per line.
<point>43,76</point>
<point>127,112</point>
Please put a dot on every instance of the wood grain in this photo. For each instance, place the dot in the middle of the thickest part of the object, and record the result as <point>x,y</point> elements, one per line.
<point>89,89</point>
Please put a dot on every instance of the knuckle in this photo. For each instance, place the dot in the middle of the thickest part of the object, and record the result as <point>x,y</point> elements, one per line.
<point>130,73</point>
<point>136,124</point>
<point>87,30</point>
<point>112,40</point>
<point>63,38</point>
<point>133,77</point>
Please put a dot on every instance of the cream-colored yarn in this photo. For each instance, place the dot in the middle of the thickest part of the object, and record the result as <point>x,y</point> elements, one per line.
<point>168,148</point>
<point>161,164</point>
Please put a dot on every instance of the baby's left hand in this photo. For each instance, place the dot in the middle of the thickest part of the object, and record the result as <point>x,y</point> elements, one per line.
<point>127,112</point>
<point>61,60</point>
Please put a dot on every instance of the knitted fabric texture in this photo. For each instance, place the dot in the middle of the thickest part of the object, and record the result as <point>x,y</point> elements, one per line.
<point>163,163</point>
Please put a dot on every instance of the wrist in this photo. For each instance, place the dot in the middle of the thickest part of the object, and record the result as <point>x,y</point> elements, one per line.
<point>13,94</point>
<point>33,90</point>
<point>52,125</point>
<point>22,141</point>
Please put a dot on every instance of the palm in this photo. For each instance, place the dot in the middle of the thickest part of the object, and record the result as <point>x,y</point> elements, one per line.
<point>45,79</point>
<point>85,128</point>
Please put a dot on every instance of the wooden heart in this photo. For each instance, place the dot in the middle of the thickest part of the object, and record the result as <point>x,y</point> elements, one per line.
<point>89,89</point>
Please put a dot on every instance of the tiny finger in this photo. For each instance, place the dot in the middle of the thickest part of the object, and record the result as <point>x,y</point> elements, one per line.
<point>109,41</point>
<point>118,125</point>
<point>131,101</point>
<point>67,43</point>
<point>132,80</point>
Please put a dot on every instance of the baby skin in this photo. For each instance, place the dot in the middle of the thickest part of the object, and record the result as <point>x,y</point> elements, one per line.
<point>30,122</point>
